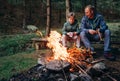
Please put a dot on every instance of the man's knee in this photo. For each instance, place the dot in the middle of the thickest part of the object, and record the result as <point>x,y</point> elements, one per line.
<point>82,34</point>
<point>107,32</point>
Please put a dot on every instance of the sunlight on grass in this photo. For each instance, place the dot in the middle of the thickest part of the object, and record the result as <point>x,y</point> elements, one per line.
<point>14,64</point>
<point>115,30</point>
<point>114,27</point>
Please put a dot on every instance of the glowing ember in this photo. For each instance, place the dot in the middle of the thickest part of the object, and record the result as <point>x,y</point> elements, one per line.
<point>60,52</point>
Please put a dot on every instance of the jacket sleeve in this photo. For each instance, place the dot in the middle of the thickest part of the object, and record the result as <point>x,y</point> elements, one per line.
<point>78,29</point>
<point>83,25</point>
<point>103,25</point>
<point>64,32</point>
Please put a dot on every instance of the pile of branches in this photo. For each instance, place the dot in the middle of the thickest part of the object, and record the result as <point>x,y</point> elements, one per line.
<point>80,56</point>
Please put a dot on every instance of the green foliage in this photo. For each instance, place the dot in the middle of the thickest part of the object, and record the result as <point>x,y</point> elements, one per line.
<point>11,65</point>
<point>110,6</point>
<point>15,44</point>
<point>76,5</point>
<point>115,30</point>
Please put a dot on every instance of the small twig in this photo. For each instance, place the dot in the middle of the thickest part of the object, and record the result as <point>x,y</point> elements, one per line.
<point>63,70</point>
<point>81,69</point>
<point>99,34</point>
<point>108,76</point>
<point>93,62</point>
<point>84,72</point>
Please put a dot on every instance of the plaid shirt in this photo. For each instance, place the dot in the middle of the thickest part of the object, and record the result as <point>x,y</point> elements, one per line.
<point>95,23</point>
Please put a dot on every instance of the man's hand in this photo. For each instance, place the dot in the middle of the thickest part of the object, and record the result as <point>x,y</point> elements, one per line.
<point>92,31</point>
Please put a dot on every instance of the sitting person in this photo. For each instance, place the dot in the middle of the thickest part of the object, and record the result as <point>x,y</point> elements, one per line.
<point>71,30</point>
<point>93,28</point>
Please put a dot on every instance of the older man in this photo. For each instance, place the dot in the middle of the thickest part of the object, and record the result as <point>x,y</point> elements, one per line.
<point>93,28</point>
<point>71,30</point>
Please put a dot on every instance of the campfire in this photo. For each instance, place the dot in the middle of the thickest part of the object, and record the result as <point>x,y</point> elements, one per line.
<point>74,59</point>
<point>75,56</point>
<point>62,64</point>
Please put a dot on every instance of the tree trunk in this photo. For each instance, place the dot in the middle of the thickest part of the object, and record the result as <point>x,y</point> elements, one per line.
<point>30,12</point>
<point>68,7</point>
<point>24,16</point>
<point>48,17</point>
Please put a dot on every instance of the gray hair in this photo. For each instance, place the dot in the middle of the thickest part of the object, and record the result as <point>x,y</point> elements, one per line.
<point>90,7</point>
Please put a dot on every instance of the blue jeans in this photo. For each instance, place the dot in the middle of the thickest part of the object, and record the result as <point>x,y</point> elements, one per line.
<point>86,38</point>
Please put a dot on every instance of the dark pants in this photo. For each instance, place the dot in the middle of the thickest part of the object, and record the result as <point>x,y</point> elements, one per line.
<point>86,38</point>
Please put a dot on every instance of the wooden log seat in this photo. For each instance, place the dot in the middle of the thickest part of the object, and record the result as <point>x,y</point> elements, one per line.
<point>39,43</point>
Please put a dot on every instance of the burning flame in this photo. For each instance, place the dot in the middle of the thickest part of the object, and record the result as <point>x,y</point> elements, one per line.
<point>59,51</point>
<point>73,55</point>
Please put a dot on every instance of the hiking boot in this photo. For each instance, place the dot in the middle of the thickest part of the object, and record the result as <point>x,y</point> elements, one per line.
<point>109,56</point>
